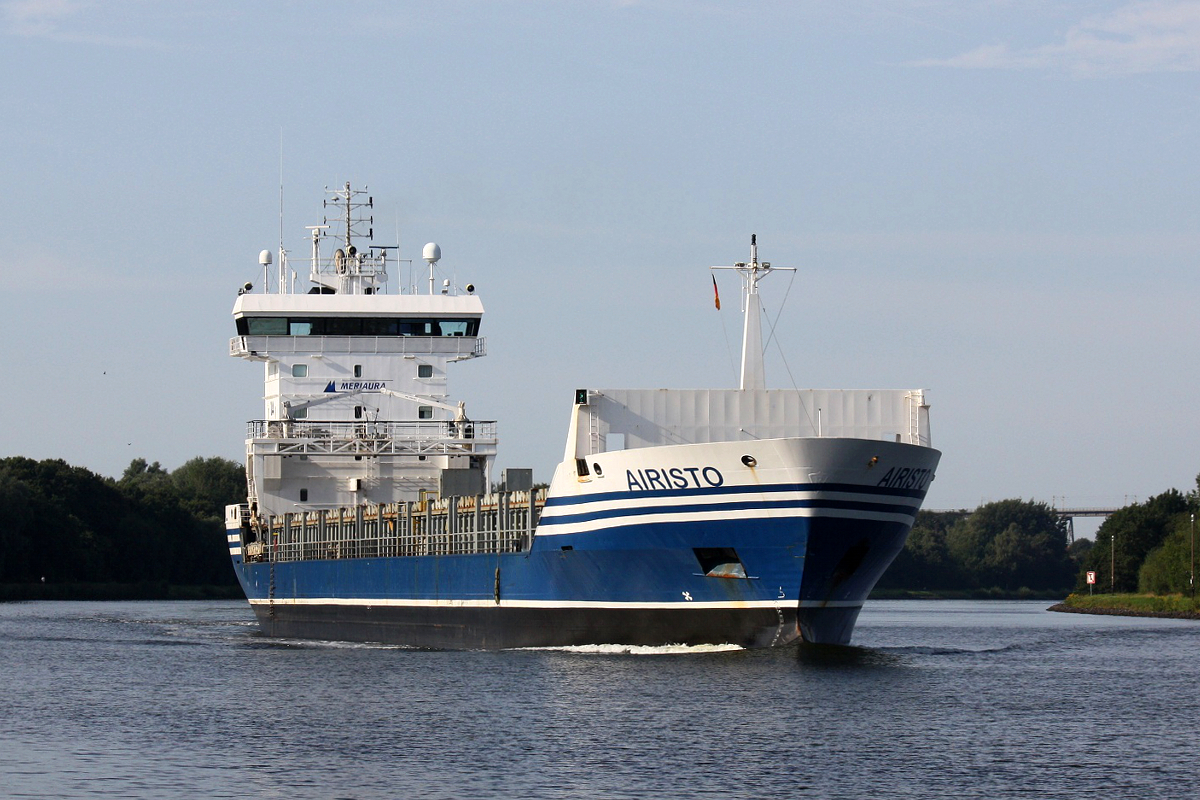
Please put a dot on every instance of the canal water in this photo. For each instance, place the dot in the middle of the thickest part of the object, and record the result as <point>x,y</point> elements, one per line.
<point>935,699</point>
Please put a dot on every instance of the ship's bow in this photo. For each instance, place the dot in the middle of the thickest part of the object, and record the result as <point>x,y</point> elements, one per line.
<point>868,494</point>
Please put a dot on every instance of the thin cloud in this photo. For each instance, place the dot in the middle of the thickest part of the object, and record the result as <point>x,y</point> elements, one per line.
<point>40,17</point>
<point>62,21</point>
<point>1138,38</point>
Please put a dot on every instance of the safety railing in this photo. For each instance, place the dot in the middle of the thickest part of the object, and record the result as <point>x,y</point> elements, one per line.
<point>494,523</point>
<point>455,346</point>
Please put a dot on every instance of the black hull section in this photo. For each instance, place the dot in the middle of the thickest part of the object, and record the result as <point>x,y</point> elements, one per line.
<point>832,625</point>
<point>498,628</point>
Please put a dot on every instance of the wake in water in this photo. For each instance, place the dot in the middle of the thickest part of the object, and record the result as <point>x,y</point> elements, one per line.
<point>258,640</point>
<point>639,650</point>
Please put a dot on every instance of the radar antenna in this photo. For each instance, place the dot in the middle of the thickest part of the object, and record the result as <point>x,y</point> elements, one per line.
<point>351,269</point>
<point>349,203</point>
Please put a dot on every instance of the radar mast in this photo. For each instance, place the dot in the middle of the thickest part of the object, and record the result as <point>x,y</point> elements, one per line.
<point>753,372</point>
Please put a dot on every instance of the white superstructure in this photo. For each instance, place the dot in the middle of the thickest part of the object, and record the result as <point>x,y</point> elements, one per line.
<point>356,407</point>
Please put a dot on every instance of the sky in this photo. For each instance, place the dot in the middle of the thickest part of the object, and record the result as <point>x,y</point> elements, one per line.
<point>997,201</point>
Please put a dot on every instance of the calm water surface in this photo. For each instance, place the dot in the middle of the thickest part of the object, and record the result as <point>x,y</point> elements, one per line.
<point>937,699</point>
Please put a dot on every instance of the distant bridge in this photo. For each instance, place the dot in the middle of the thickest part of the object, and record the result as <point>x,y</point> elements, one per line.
<point>1069,514</point>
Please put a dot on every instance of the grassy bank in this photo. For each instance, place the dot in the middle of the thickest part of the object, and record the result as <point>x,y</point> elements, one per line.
<point>116,591</point>
<point>1176,606</point>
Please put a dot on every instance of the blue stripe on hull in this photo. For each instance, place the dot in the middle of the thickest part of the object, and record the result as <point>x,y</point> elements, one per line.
<point>740,505</point>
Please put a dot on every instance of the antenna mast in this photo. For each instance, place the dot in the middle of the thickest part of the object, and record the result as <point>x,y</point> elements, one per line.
<point>349,202</point>
<point>282,253</point>
<point>753,372</point>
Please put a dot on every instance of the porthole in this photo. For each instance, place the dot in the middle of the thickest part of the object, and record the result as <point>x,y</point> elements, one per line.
<point>750,461</point>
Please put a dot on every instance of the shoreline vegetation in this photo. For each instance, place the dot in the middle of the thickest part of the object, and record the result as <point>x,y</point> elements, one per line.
<point>1171,606</point>
<point>67,533</point>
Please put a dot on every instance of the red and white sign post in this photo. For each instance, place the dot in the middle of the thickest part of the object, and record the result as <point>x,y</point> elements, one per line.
<point>1091,579</point>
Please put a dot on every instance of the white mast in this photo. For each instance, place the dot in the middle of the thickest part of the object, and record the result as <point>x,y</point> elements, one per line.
<point>753,373</point>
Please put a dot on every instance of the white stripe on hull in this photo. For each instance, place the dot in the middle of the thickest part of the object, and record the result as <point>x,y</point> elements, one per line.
<point>449,603</point>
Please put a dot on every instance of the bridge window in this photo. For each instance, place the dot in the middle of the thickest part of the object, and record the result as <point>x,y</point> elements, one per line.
<point>381,327</point>
<point>343,326</point>
<point>425,370</point>
<point>412,327</point>
<point>425,412</point>
<point>266,326</point>
<point>299,370</point>
<point>355,326</point>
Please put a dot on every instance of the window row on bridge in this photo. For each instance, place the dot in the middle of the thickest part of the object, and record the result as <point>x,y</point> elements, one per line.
<point>355,326</point>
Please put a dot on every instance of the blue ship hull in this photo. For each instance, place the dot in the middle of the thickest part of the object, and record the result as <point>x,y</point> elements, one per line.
<point>746,516</point>
<point>637,584</point>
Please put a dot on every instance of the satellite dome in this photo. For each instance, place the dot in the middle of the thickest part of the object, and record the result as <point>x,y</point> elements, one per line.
<point>432,253</point>
<point>264,258</point>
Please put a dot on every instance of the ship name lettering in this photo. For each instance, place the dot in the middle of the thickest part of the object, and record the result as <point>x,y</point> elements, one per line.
<point>906,478</point>
<point>645,480</point>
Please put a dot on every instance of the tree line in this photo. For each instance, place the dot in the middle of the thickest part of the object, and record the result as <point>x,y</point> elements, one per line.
<point>63,524</point>
<point>1145,547</point>
<point>1014,545</point>
<point>1005,547</point>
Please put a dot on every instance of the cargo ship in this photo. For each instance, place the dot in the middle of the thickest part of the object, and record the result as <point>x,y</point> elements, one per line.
<point>749,516</point>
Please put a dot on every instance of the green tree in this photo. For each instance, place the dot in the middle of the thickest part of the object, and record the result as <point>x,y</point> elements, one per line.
<point>1078,551</point>
<point>925,562</point>
<point>1168,567</point>
<point>16,527</point>
<point>1012,544</point>
<point>1126,538</point>
<point>68,519</point>
<point>67,524</point>
<point>206,485</point>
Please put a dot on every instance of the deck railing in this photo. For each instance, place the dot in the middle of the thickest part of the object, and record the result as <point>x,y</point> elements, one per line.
<point>420,437</point>
<point>456,346</point>
<point>495,523</point>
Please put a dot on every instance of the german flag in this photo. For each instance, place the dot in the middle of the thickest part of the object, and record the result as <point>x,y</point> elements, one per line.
<point>716,294</point>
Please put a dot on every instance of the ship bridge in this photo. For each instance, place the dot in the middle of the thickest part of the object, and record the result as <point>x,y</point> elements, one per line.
<point>356,403</point>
